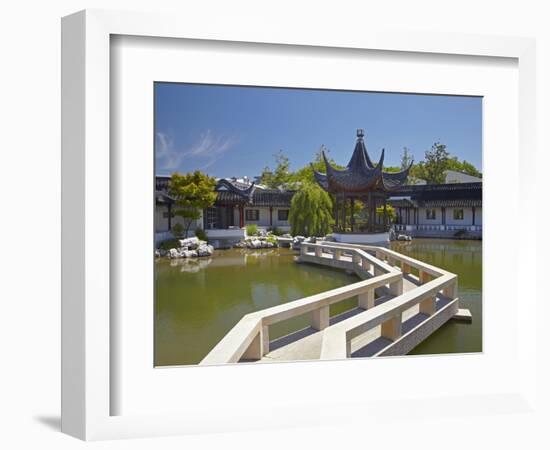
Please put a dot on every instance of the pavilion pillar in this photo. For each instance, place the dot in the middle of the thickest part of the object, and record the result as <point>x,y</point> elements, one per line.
<point>385,214</point>
<point>369,209</point>
<point>473,215</point>
<point>352,219</point>
<point>169,216</point>
<point>241,216</point>
<point>336,215</point>
<point>344,213</point>
<point>271,216</point>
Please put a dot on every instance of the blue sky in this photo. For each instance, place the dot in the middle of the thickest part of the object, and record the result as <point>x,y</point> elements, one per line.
<point>234,131</point>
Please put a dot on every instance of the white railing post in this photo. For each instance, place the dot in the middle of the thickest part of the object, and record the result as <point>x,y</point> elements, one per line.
<point>303,249</point>
<point>424,277</point>
<point>356,259</point>
<point>366,264</point>
<point>428,306</point>
<point>451,290</point>
<point>391,328</point>
<point>366,300</point>
<point>255,349</point>
<point>265,339</point>
<point>396,288</point>
<point>405,268</point>
<point>320,318</point>
<point>337,254</point>
<point>318,251</point>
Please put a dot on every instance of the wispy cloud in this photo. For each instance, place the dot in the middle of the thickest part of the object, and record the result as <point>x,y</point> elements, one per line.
<point>206,150</point>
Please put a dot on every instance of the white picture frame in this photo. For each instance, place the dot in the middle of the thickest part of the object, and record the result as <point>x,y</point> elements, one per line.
<point>87,356</point>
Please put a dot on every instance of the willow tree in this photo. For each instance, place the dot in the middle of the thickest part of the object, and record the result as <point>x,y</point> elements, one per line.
<point>310,211</point>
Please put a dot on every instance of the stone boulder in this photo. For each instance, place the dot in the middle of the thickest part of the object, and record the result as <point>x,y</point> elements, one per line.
<point>191,243</point>
<point>205,250</point>
<point>255,243</point>
<point>173,253</point>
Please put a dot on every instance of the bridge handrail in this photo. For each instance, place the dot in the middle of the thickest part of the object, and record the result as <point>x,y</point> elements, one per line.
<point>420,265</point>
<point>359,251</point>
<point>304,305</point>
<point>337,338</point>
<point>250,336</point>
<point>236,342</point>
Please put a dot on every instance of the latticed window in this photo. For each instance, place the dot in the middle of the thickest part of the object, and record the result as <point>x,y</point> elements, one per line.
<point>458,214</point>
<point>430,214</point>
<point>282,214</point>
<point>211,218</point>
<point>252,215</point>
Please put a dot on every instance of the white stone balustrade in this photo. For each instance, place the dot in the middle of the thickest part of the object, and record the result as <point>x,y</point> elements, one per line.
<point>249,339</point>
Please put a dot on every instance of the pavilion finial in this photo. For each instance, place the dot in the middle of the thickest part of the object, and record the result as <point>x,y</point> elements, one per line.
<point>360,133</point>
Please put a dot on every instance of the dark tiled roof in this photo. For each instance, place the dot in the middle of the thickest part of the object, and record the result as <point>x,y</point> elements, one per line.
<point>360,175</point>
<point>163,197</point>
<point>401,203</point>
<point>260,197</point>
<point>245,192</point>
<point>431,188</point>
<point>272,198</point>
<point>450,203</point>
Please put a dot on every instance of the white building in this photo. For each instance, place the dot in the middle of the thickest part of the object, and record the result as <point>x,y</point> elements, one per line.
<point>239,203</point>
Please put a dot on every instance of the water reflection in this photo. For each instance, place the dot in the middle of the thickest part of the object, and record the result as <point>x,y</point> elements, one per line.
<point>199,300</point>
<point>465,259</point>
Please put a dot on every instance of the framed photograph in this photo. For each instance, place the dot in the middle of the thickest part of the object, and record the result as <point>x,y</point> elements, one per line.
<point>251,218</point>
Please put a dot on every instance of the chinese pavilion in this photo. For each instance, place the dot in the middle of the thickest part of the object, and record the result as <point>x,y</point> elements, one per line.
<point>364,181</point>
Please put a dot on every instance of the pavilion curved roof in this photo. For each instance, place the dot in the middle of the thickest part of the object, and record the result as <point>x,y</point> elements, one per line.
<point>361,175</point>
<point>244,193</point>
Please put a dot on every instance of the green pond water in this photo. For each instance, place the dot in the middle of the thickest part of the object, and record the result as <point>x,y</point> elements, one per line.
<point>198,301</point>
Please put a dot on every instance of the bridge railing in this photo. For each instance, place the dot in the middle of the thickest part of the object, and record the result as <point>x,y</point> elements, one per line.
<point>426,272</point>
<point>249,338</point>
<point>437,227</point>
<point>433,281</point>
<point>338,338</point>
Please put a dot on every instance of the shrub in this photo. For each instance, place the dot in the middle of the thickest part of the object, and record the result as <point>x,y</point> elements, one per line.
<point>201,234</point>
<point>177,230</point>
<point>252,229</point>
<point>276,231</point>
<point>170,243</point>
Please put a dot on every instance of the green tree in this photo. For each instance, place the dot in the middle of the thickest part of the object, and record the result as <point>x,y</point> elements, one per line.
<point>435,164</point>
<point>463,166</point>
<point>305,174</point>
<point>192,192</point>
<point>280,175</point>
<point>310,211</point>
<point>406,158</point>
<point>390,213</point>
